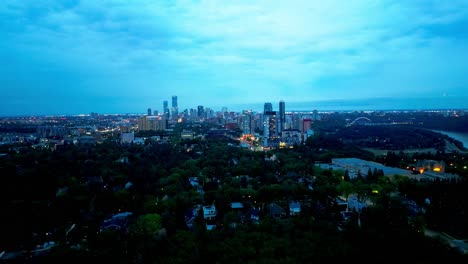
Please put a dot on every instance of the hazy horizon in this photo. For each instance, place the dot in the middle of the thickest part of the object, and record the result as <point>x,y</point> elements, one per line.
<point>371,104</point>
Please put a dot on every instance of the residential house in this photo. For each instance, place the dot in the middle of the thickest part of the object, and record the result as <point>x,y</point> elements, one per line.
<point>118,221</point>
<point>255,215</point>
<point>237,206</point>
<point>209,214</point>
<point>294,208</point>
<point>276,211</point>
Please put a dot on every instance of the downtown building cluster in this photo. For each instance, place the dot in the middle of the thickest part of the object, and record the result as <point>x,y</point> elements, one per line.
<point>270,128</point>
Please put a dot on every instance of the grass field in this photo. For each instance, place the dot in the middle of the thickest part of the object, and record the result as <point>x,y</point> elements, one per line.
<point>380,152</point>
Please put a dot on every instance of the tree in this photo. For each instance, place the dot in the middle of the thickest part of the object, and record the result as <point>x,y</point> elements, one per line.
<point>145,237</point>
<point>345,188</point>
<point>147,225</point>
<point>346,175</point>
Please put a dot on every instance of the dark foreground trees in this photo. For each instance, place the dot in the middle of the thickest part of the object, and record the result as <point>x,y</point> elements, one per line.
<point>81,187</point>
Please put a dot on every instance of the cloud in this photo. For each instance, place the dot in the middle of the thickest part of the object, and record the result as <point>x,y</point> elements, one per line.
<point>298,50</point>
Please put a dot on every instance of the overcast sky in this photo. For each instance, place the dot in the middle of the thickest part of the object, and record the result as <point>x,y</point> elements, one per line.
<point>106,56</point>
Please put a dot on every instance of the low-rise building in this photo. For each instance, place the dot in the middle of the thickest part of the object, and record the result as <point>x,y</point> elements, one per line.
<point>430,165</point>
<point>294,208</point>
<point>209,212</point>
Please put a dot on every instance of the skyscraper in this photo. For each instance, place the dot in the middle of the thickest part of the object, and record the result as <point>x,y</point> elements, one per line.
<point>282,116</point>
<point>268,107</point>
<point>166,108</point>
<point>247,122</point>
<point>174,101</point>
<point>175,109</point>
<point>270,129</point>
<point>201,111</point>
<point>149,111</point>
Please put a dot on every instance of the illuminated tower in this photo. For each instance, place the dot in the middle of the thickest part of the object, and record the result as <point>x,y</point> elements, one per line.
<point>270,129</point>
<point>282,116</point>
<point>174,101</point>
<point>247,122</point>
<point>175,109</point>
<point>166,109</point>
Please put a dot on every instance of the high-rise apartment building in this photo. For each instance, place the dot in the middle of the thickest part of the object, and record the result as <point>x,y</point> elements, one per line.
<point>246,124</point>
<point>306,125</point>
<point>201,111</point>
<point>270,127</point>
<point>166,108</point>
<point>151,123</point>
<point>268,107</point>
<point>174,101</point>
<point>282,116</point>
<point>175,109</point>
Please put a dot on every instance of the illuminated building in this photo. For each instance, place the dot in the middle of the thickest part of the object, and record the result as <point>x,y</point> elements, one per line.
<point>175,108</point>
<point>306,125</point>
<point>151,123</point>
<point>166,109</point>
<point>246,125</point>
<point>430,165</point>
<point>270,129</point>
<point>282,116</point>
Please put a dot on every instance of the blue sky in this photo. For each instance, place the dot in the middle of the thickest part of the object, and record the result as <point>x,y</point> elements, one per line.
<point>120,56</point>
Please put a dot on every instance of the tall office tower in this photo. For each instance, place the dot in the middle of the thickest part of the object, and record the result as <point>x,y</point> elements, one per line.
<point>149,111</point>
<point>201,111</point>
<point>268,107</point>
<point>282,116</point>
<point>166,109</point>
<point>174,101</point>
<point>155,112</point>
<point>175,109</point>
<point>193,114</point>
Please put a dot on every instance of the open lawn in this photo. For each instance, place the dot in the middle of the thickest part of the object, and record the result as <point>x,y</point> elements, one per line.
<point>379,152</point>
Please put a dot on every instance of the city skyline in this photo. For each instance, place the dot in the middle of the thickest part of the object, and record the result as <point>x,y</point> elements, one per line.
<point>73,57</point>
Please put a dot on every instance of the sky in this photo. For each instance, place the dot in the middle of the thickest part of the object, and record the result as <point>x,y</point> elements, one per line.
<point>106,56</point>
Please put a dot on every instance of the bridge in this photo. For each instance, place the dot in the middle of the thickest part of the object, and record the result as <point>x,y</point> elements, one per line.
<point>360,121</point>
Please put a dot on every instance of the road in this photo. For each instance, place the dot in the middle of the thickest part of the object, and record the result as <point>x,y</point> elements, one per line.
<point>461,245</point>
